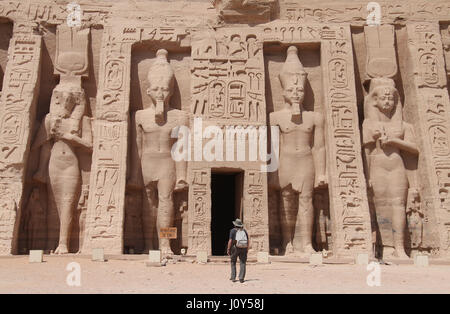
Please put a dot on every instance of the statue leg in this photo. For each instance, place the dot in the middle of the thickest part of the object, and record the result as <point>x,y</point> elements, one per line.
<point>44,156</point>
<point>287,219</point>
<point>304,224</point>
<point>66,190</point>
<point>41,141</point>
<point>399,226</point>
<point>81,222</point>
<point>165,211</point>
<point>148,216</point>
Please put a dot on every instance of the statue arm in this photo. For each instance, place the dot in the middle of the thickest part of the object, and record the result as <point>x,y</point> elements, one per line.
<point>181,166</point>
<point>370,136</point>
<point>407,144</point>
<point>369,142</point>
<point>77,116</point>
<point>81,139</point>
<point>86,132</point>
<point>42,135</point>
<point>411,159</point>
<point>138,134</point>
<point>78,141</point>
<point>319,153</point>
<point>136,152</point>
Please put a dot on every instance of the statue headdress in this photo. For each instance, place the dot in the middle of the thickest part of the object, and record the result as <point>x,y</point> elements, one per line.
<point>161,69</point>
<point>292,69</point>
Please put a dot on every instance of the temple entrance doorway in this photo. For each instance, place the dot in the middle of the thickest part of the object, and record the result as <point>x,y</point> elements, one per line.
<point>226,206</point>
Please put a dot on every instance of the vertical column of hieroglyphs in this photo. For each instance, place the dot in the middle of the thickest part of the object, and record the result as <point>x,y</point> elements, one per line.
<point>17,113</point>
<point>348,196</point>
<point>255,214</point>
<point>199,221</point>
<point>432,106</point>
<point>105,215</point>
<point>228,91</point>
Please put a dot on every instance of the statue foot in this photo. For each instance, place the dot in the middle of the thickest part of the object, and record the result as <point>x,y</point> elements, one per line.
<point>166,252</point>
<point>289,249</point>
<point>61,249</point>
<point>400,253</point>
<point>308,249</point>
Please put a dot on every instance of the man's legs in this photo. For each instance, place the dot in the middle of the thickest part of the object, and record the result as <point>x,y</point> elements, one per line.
<point>233,255</point>
<point>243,261</point>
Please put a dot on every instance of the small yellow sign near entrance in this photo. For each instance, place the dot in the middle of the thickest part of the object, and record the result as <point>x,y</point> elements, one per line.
<point>168,233</point>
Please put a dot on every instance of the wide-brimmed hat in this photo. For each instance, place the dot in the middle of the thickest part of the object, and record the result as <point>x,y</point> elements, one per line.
<point>238,223</point>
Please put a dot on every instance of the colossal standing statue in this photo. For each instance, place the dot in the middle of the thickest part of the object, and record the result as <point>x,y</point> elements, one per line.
<point>391,157</point>
<point>161,174</point>
<point>59,137</point>
<point>302,158</point>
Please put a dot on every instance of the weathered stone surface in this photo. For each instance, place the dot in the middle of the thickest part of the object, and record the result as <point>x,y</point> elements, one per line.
<point>147,105</point>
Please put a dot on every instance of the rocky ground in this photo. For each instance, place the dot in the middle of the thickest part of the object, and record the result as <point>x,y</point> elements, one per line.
<point>132,275</point>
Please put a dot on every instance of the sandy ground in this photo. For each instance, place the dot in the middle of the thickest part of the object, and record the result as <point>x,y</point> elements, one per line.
<point>17,275</point>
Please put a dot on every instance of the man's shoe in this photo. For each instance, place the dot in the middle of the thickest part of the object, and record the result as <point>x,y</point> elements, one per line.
<point>241,280</point>
<point>233,280</point>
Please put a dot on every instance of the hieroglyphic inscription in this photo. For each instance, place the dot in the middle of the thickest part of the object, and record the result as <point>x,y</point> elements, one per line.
<point>228,77</point>
<point>426,50</point>
<point>51,12</point>
<point>17,112</point>
<point>199,213</point>
<point>105,216</point>
<point>255,213</point>
<point>350,213</point>
<point>356,12</point>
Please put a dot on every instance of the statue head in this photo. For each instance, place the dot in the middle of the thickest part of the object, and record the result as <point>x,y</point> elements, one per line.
<point>293,78</point>
<point>383,97</point>
<point>65,96</point>
<point>161,81</point>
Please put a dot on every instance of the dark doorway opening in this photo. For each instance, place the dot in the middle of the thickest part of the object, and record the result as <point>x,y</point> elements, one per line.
<point>226,204</point>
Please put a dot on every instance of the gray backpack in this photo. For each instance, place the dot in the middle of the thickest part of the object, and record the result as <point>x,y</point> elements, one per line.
<point>241,238</point>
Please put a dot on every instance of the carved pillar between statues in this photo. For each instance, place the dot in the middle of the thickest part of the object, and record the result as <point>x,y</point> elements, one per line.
<point>427,78</point>
<point>255,210</point>
<point>349,208</point>
<point>199,211</point>
<point>105,214</point>
<point>17,113</point>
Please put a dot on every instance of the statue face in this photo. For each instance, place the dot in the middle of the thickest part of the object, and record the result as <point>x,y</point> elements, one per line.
<point>63,102</point>
<point>386,100</point>
<point>160,91</point>
<point>294,95</point>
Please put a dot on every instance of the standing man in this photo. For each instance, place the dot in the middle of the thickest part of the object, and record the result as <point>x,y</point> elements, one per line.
<point>238,245</point>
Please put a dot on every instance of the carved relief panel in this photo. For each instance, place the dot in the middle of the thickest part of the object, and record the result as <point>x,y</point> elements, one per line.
<point>17,111</point>
<point>199,221</point>
<point>228,76</point>
<point>432,107</point>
